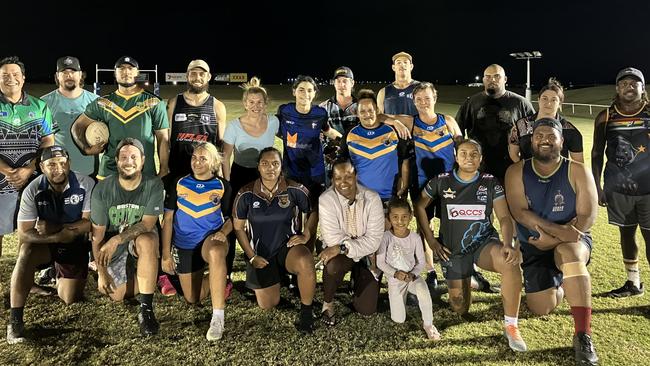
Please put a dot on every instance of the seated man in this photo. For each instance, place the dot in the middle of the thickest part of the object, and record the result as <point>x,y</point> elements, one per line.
<point>554,202</point>
<point>125,209</point>
<point>352,225</point>
<point>53,223</point>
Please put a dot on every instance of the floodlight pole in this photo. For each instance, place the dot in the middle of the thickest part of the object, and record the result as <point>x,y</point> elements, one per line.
<point>527,56</point>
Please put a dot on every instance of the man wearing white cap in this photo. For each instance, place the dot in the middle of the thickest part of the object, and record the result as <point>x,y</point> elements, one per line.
<point>66,103</point>
<point>130,111</point>
<point>194,116</point>
<point>621,133</point>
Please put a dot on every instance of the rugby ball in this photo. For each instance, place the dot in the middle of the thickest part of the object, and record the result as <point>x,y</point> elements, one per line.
<point>96,133</point>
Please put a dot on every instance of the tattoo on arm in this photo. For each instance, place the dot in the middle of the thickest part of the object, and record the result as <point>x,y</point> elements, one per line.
<point>133,232</point>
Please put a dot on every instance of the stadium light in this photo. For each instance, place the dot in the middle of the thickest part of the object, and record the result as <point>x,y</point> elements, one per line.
<point>527,56</point>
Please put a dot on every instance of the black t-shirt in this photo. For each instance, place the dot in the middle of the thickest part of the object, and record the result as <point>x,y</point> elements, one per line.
<point>489,121</point>
<point>522,134</point>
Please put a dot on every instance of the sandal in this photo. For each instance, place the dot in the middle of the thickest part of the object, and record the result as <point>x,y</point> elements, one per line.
<point>328,318</point>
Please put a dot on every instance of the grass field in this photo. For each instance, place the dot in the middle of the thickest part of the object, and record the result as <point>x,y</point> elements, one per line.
<point>99,332</point>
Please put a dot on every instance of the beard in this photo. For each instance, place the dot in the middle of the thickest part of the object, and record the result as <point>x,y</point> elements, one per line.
<point>70,85</point>
<point>546,157</point>
<point>491,91</point>
<point>192,89</point>
<point>126,85</point>
<point>126,176</point>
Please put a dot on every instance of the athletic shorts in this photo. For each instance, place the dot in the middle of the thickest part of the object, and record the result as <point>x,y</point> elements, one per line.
<point>123,267</point>
<point>624,210</point>
<point>188,260</point>
<point>9,204</point>
<point>540,272</point>
<point>269,275</point>
<point>461,266</point>
<point>70,261</point>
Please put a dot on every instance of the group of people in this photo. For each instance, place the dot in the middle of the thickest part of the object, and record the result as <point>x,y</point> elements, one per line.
<point>347,166</point>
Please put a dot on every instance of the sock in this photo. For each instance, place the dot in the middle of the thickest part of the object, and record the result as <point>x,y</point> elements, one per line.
<point>633,273</point>
<point>218,313</point>
<point>510,320</point>
<point>16,315</point>
<point>146,300</point>
<point>581,319</point>
<point>305,310</point>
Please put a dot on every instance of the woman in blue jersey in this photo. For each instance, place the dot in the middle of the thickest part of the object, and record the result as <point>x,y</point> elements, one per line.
<point>267,224</point>
<point>195,228</point>
<point>551,97</point>
<point>467,236</point>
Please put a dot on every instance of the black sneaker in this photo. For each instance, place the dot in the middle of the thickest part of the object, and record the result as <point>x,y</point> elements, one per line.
<point>15,332</point>
<point>480,283</point>
<point>305,324</point>
<point>432,280</point>
<point>628,289</point>
<point>148,324</point>
<point>584,349</point>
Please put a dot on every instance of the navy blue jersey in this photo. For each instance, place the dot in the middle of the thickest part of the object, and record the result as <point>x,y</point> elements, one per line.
<point>434,148</point>
<point>271,220</point>
<point>550,197</point>
<point>400,101</point>
<point>300,134</point>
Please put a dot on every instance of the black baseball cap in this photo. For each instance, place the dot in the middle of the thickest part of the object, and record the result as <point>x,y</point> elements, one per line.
<point>54,151</point>
<point>630,71</point>
<point>550,122</point>
<point>67,62</point>
<point>126,60</point>
<point>129,141</point>
<point>343,71</point>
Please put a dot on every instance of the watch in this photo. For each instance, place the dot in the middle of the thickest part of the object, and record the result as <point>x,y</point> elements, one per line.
<point>343,248</point>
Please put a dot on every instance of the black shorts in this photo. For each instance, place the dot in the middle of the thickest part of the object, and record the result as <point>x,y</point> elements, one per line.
<point>461,266</point>
<point>70,260</point>
<point>188,260</point>
<point>271,274</point>
<point>540,272</point>
<point>624,210</point>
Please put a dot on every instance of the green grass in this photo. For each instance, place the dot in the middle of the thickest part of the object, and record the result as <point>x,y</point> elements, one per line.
<point>97,331</point>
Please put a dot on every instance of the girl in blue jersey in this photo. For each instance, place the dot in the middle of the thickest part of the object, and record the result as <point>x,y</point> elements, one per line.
<point>195,228</point>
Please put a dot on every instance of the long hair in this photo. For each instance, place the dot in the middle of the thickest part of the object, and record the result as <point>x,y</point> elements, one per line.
<point>254,86</point>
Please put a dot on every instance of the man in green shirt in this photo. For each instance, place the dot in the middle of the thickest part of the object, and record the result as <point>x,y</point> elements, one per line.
<point>130,111</point>
<point>124,212</point>
<point>25,126</point>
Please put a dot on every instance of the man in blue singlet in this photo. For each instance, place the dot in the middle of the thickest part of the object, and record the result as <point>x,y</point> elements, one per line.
<point>397,98</point>
<point>554,202</point>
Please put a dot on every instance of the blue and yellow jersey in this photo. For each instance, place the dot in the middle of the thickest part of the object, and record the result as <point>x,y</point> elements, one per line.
<point>201,208</point>
<point>434,148</point>
<point>376,154</point>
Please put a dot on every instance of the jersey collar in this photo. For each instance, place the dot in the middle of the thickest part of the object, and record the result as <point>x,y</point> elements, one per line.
<point>23,99</point>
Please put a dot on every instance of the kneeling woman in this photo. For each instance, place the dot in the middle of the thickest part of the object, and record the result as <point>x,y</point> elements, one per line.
<point>196,222</point>
<point>467,236</point>
<point>273,244</point>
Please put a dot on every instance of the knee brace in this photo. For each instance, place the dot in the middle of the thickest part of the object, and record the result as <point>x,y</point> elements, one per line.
<point>574,269</point>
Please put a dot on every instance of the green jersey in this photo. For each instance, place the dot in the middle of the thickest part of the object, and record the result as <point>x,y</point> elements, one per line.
<point>22,127</point>
<point>117,209</point>
<point>138,116</point>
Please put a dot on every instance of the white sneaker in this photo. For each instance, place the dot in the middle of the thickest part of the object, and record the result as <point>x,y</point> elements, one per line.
<point>515,341</point>
<point>432,332</point>
<point>215,332</point>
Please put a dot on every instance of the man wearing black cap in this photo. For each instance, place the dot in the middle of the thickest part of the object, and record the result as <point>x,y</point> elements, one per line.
<point>66,103</point>
<point>125,209</point>
<point>621,133</point>
<point>25,126</point>
<point>130,111</point>
<point>554,202</point>
<point>52,225</point>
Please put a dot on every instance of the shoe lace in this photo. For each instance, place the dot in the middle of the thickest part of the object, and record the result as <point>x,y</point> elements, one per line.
<point>513,332</point>
<point>585,343</point>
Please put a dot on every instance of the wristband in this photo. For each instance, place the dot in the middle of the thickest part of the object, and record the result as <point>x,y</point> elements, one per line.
<point>251,260</point>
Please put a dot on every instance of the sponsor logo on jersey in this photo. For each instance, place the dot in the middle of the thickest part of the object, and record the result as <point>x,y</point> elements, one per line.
<point>558,202</point>
<point>292,140</point>
<point>180,117</point>
<point>482,193</point>
<point>200,186</point>
<point>256,204</point>
<point>466,212</point>
<point>448,193</point>
<point>313,125</point>
<point>291,122</point>
<point>498,188</point>
<point>5,114</point>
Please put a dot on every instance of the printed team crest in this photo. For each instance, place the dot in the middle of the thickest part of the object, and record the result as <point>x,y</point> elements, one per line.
<point>283,201</point>
<point>214,198</point>
<point>31,115</point>
<point>205,118</point>
<point>256,204</point>
<point>387,141</point>
<point>448,193</point>
<point>75,199</point>
<point>292,140</point>
<point>558,202</point>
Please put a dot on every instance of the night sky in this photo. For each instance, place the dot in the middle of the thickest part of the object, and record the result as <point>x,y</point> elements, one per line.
<point>582,42</point>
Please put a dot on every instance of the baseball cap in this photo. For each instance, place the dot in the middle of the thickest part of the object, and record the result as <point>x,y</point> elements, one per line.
<point>198,63</point>
<point>67,62</point>
<point>343,71</point>
<point>402,54</point>
<point>129,141</point>
<point>550,122</point>
<point>630,71</point>
<point>126,60</point>
<point>54,151</point>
